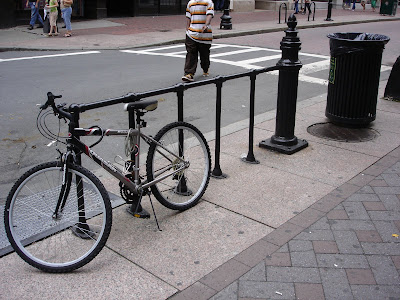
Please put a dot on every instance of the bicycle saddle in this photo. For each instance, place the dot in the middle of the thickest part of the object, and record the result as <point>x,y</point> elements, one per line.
<point>147,105</point>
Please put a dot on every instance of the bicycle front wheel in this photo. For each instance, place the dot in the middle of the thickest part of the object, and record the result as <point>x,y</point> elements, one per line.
<point>185,188</point>
<point>64,240</point>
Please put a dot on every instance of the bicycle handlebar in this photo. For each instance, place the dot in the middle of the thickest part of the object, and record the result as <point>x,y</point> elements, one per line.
<point>56,109</point>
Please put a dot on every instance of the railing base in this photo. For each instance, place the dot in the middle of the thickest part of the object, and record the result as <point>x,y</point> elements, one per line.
<point>285,149</point>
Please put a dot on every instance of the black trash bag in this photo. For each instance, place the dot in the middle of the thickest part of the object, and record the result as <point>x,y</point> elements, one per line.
<point>345,43</point>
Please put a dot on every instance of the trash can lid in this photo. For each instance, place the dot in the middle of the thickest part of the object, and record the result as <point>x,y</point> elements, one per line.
<point>358,36</point>
<point>347,42</point>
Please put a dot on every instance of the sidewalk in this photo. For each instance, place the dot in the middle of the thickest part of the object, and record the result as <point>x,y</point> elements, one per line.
<point>123,33</point>
<point>322,223</point>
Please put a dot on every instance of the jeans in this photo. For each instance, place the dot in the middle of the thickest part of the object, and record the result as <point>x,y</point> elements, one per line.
<point>35,14</point>
<point>66,15</point>
<point>296,7</point>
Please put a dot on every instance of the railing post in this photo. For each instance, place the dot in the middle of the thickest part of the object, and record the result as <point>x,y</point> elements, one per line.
<point>179,92</point>
<point>250,155</point>
<point>226,19</point>
<point>217,172</point>
<point>284,140</point>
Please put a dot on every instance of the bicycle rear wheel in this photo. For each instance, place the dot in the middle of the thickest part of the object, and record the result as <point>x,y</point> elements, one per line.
<point>69,240</point>
<point>184,189</point>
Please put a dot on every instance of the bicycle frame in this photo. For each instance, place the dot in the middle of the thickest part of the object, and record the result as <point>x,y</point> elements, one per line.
<point>135,185</point>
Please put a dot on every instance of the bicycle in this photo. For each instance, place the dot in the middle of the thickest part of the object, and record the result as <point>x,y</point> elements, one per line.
<point>58,215</point>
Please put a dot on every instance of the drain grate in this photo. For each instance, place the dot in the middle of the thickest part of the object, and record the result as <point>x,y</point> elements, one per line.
<point>334,132</point>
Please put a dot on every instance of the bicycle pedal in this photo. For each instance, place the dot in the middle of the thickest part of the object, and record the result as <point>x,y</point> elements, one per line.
<point>143,214</point>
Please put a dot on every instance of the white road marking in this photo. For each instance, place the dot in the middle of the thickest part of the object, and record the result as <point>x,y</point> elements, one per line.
<point>48,56</point>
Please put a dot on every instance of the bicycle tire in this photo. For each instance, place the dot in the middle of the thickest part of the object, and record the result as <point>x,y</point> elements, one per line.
<point>49,243</point>
<point>183,190</point>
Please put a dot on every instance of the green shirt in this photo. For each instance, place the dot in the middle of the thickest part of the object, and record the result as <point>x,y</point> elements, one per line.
<point>53,2</point>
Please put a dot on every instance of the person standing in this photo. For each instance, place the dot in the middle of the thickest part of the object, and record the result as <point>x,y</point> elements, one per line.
<point>66,12</point>
<point>53,15</point>
<point>35,16</point>
<point>199,14</point>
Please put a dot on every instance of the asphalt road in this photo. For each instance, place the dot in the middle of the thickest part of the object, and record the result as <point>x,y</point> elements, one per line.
<point>92,76</point>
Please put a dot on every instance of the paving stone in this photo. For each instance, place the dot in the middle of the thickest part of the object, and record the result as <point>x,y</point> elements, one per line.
<point>283,234</point>
<point>360,276</point>
<point>391,179</point>
<point>327,203</point>
<point>337,215</point>
<point>335,284</point>
<point>300,245</point>
<point>258,273</point>
<point>284,248</point>
<point>374,206</point>
<point>361,179</point>
<point>395,168</point>
<point>397,224</point>
<point>305,259</point>
<point>352,225</point>
<point>278,259</point>
<point>362,197</point>
<point>378,182</point>
<point>320,225</point>
<point>197,291</point>
<point>367,189</point>
<point>342,261</point>
<point>293,274</point>
<point>396,261</point>
<point>266,290</point>
<point>224,275</point>
<point>386,230</point>
<point>328,247</point>
<point>375,292</point>
<point>391,202</point>
<point>307,217</point>
<point>380,166</point>
<point>381,248</point>
<point>228,293</point>
<point>309,291</point>
<point>345,190</point>
<point>384,270</point>
<point>387,190</point>
<point>347,242</point>
<point>384,215</point>
<point>256,253</point>
<point>356,210</point>
<point>316,235</point>
<point>371,236</point>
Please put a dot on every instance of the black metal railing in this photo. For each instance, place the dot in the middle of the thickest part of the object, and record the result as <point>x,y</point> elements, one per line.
<point>280,7</point>
<point>283,140</point>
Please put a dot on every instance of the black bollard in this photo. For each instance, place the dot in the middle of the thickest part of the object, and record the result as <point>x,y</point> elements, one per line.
<point>284,140</point>
<point>328,16</point>
<point>226,19</point>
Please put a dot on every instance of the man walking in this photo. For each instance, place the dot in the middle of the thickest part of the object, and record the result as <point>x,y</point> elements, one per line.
<point>34,6</point>
<point>198,37</point>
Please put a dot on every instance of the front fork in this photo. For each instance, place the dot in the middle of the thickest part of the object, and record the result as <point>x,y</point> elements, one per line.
<point>81,228</point>
<point>65,186</point>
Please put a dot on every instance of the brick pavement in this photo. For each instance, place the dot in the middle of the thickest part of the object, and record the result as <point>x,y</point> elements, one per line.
<point>345,246</point>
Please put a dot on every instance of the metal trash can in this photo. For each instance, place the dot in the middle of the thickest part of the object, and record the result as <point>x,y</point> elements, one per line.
<point>354,77</point>
<point>388,7</point>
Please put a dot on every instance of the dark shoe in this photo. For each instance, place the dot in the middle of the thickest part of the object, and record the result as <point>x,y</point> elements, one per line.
<point>64,26</point>
<point>30,27</point>
<point>40,26</point>
<point>187,78</point>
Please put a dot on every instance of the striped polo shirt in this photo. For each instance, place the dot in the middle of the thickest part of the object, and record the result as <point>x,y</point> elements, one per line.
<point>197,11</point>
